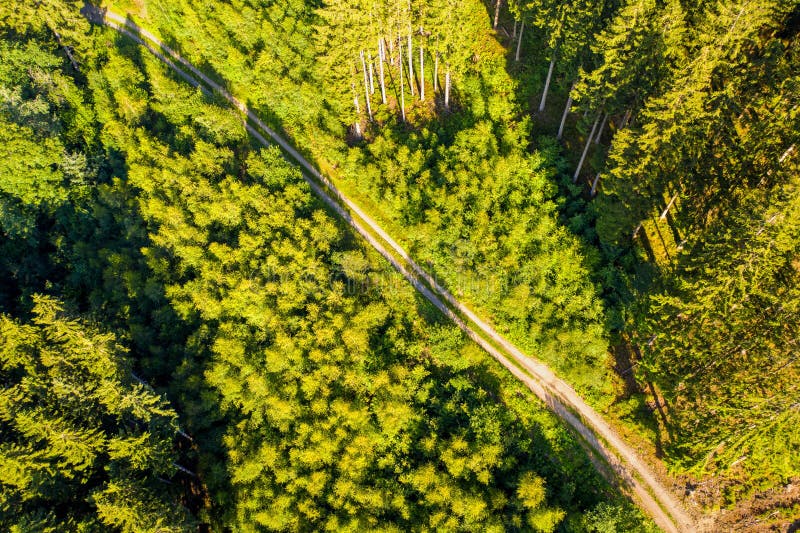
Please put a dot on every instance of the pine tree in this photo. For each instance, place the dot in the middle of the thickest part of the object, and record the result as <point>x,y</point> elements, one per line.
<point>723,335</point>
<point>77,428</point>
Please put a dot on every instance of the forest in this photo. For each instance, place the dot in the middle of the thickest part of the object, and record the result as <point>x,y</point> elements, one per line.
<point>191,340</point>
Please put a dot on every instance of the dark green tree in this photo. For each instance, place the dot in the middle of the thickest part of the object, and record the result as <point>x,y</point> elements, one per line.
<point>84,446</point>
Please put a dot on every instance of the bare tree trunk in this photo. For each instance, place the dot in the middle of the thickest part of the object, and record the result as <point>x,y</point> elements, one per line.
<point>435,74</point>
<point>184,469</point>
<point>600,130</point>
<point>786,154</point>
<point>402,84</point>
<point>371,74</point>
<point>594,184</point>
<point>586,150</point>
<point>366,85</point>
<point>497,13</point>
<point>514,32</point>
<point>547,81</point>
<point>447,88</point>
<point>626,118</point>
<point>410,64</point>
<point>566,112</point>
<point>669,206</point>
<point>636,230</point>
<point>357,126</point>
<point>381,59</point>
<point>421,73</point>
<point>519,41</point>
<point>64,46</point>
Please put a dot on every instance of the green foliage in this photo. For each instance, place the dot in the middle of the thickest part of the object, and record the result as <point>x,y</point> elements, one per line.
<point>722,181</point>
<point>327,390</point>
<point>320,393</point>
<point>636,50</point>
<point>76,431</point>
<point>41,119</point>
<point>427,179</point>
<point>724,351</point>
<point>701,172</point>
<point>702,105</point>
<point>609,518</point>
<point>505,253</point>
<point>714,146</point>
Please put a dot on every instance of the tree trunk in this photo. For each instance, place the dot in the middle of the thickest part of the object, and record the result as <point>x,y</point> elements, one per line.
<point>447,88</point>
<point>366,85</point>
<point>184,469</point>
<point>435,74</point>
<point>402,84</point>
<point>514,31</point>
<point>497,13</point>
<point>566,113</point>
<point>357,125</point>
<point>64,47</point>
<point>669,206</point>
<point>547,81</point>
<point>600,130</point>
<point>410,64</point>
<point>594,184</point>
<point>519,41</point>
<point>626,118</point>
<point>421,73</point>
<point>381,59</point>
<point>636,231</point>
<point>371,74</point>
<point>786,154</point>
<point>586,150</point>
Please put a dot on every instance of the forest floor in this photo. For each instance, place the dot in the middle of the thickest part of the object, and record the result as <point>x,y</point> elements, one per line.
<point>629,469</point>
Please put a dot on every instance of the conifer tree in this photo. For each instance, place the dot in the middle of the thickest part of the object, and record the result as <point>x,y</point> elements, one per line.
<point>83,445</point>
<point>723,349</point>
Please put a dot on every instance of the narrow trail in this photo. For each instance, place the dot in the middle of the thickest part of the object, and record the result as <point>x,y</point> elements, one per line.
<point>629,469</point>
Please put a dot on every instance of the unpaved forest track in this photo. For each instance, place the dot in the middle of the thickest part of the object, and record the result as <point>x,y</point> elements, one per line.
<point>628,468</point>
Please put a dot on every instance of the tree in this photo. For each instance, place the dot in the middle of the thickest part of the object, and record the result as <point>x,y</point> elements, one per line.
<point>688,133</point>
<point>724,331</point>
<point>569,27</point>
<point>82,445</point>
<point>341,40</point>
<point>639,48</point>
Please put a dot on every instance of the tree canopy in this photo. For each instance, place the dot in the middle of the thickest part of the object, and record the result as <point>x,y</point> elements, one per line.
<point>612,185</point>
<point>298,382</point>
